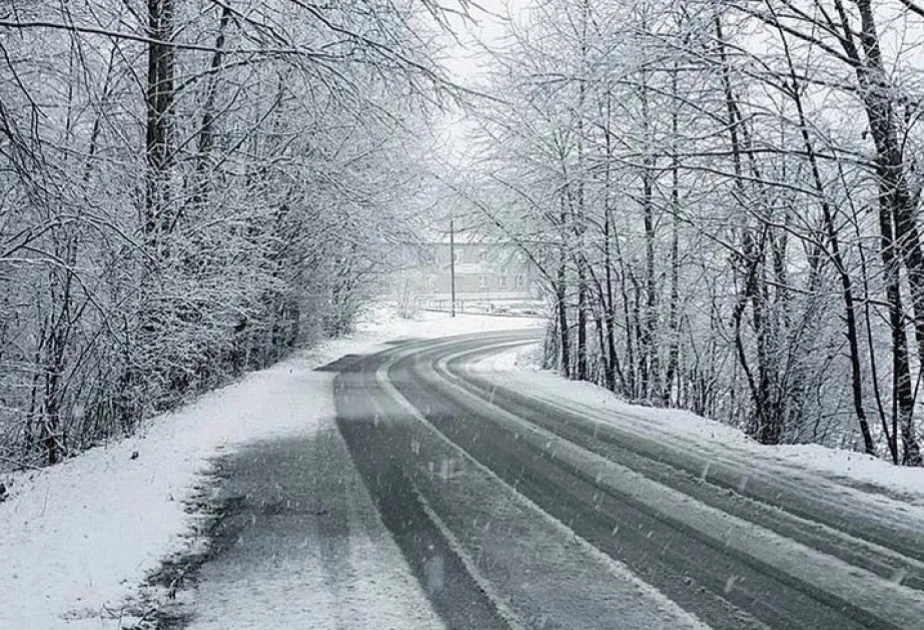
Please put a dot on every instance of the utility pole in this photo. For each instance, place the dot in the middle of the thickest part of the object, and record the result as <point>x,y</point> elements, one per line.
<point>452,267</point>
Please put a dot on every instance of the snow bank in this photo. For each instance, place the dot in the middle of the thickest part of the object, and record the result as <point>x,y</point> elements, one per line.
<point>77,539</point>
<point>858,470</point>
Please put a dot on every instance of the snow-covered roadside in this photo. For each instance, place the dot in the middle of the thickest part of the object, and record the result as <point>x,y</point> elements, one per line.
<point>518,367</point>
<point>77,539</point>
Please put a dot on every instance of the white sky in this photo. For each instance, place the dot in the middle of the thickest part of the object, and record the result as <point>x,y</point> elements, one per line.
<point>468,63</point>
<point>486,26</point>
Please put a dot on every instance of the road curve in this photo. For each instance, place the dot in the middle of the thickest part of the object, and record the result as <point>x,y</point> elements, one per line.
<point>517,511</point>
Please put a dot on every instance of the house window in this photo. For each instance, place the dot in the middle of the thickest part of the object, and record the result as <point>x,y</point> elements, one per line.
<point>482,282</point>
<point>502,282</point>
<point>520,280</point>
<point>483,255</point>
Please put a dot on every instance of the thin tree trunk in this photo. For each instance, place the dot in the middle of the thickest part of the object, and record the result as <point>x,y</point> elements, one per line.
<point>581,374</point>
<point>674,307</point>
<point>837,259</point>
<point>560,297</point>
<point>895,200</point>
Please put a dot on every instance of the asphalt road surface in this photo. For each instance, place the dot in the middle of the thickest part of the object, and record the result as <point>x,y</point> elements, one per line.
<point>515,511</point>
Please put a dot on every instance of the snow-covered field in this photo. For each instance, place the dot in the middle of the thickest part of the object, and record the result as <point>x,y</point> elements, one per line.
<point>77,539</point>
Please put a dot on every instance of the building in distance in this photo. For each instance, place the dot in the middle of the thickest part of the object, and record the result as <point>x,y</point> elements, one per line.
<point>491,274</point>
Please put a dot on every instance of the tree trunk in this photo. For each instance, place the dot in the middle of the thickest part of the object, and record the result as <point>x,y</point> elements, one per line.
<point>897,200</point>
<point>673,323</point>
<point>159,101</point>
<point>850,316</point>
<point>561,304</point>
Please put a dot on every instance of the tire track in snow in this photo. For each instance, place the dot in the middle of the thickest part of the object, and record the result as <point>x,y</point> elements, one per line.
<point>845,583</point>
<point>669,609</point>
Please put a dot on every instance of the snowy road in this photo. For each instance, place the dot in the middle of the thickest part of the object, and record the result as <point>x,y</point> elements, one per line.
<point>516,507</point>
<point>534,513</point>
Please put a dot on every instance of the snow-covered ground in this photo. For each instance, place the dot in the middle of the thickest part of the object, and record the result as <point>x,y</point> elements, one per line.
<point>519,367</point>
<point>77,539</point>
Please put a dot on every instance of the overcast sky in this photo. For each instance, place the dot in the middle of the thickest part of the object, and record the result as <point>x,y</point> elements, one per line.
<point>486,26</point>
<point>468,63</point>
